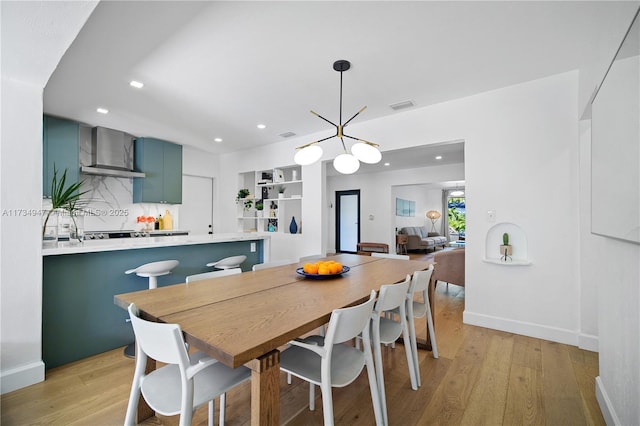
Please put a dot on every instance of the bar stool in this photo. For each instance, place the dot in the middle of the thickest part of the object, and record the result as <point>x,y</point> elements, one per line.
<point>228,262</point>
<point>152,271</point>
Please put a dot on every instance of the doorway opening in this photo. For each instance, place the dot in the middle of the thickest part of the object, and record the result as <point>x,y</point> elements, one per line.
<point>347,221</point>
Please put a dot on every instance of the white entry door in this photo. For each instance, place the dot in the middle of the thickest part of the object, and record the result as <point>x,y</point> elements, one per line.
<point>196,212</point>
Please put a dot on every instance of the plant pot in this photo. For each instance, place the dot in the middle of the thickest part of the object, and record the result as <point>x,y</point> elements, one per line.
<point>280,195</point>
<point>508,250</point>
<point>50,229</point>
<point>76,229</point>
<point>259,213</point>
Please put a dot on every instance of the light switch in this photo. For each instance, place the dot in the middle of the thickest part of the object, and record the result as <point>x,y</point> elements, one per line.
<point>491,216</point>
<point>253,247</point>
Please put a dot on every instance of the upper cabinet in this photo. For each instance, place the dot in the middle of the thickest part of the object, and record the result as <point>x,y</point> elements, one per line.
<point>60,147</point>
<point>161,161</point>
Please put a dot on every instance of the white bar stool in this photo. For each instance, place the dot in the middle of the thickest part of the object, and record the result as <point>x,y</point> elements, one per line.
<point>152,271</point>
<point>228,262</point>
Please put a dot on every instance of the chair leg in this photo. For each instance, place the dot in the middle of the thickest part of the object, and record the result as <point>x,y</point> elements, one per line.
<point>288,378</point>
<point>377,353</point>
<point>432,330</point>
<point>223,408</point>
<point>408,347</point>
<point>212,413</point>
<point>373,385</point>
<point>312,397</point>
<point>414,347</point>
<point>327,403</point>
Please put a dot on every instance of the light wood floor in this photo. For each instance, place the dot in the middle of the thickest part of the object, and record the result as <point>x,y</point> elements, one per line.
<point>482,377</point>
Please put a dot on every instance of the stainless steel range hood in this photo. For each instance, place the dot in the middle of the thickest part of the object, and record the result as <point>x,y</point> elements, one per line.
<point>111,154</point>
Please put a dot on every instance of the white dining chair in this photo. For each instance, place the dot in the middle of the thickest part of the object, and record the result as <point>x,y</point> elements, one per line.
<point>228,262</point>
<point>385,330</point>
<point>213,274</point>
<point>391,255</point>
<point>415,309</point>
<point>185,383</point>
<point>267,265</point>
<point>329,362</point>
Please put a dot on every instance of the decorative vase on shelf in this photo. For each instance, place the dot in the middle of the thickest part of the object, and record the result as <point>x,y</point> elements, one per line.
<point>50,229</point>
<point>293,226</point>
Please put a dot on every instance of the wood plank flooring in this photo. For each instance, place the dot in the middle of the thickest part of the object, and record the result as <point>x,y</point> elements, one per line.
<point>482,377</point>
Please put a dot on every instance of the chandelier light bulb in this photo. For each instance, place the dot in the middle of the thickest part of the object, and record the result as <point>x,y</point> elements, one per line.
<point>308,155</point>
<point>366,153</point>
<point>346,164</point>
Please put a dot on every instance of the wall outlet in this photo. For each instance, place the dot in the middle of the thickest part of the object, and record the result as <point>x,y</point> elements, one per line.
<point>253,247</point>
<point>491,216</point>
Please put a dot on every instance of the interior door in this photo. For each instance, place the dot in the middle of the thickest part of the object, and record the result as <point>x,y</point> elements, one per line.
<point>347,221</point>
<point>196,212</point>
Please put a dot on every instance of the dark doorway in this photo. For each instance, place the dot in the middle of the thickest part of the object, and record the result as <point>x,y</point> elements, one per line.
<point>347,221</point>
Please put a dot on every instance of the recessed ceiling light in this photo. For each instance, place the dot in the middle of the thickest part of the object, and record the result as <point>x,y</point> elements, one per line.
<point>103,110</point>
<point>136,84</point>
<point>218,140</point>
<point>262,126</point>
<point>439,157</point>
<point>387,164</point>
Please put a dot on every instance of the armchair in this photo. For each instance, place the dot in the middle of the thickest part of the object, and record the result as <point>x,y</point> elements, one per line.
<point>449,267</point>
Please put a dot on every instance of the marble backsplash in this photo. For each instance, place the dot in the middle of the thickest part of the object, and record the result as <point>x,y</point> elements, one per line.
<point>110,205</point>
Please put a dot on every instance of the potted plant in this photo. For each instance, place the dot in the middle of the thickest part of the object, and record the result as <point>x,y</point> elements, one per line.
<point>259,207</point>
<point>62,197</point>
<point>245,196</point>
<point>505,248</point>
<point>280,189</point>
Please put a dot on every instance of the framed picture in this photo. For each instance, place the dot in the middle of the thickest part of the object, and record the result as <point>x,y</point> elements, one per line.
<point>278,175</point>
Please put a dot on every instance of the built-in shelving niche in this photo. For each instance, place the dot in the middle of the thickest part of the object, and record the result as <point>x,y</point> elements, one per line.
<point>517,239</point>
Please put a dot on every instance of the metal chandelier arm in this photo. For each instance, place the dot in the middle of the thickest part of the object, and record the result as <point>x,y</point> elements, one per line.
<point>315,142</point>
<point>318,115</point>
<point>355,115</point>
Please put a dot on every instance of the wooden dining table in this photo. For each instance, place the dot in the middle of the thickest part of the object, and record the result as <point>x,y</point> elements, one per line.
<point>243,319</point>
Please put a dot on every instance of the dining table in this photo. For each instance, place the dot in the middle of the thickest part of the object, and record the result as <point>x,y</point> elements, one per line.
<point>244,319</point>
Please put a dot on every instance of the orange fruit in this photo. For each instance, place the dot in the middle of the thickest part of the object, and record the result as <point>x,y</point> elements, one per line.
<point>313,269</point>
<point>324,270</point>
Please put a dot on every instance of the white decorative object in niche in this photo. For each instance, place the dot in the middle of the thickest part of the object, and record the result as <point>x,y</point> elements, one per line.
<point>517,240</point>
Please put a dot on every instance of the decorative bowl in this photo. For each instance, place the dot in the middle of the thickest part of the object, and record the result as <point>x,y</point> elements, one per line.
<point>323,276</point>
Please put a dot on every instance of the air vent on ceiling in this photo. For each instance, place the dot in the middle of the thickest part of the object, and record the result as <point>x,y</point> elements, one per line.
<point>402,105</point>
<point>287,134</point>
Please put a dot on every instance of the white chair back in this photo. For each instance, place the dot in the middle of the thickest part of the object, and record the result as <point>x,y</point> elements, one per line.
<point>347,323</point>
<point>391,255</point>
<point>420,280</point>
<point>267,265</point>
<point>213,274</point>
<point>392,296</point>
<point>162,342</point>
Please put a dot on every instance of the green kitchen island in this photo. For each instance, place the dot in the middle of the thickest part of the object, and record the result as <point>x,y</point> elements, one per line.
<point>79,318</point>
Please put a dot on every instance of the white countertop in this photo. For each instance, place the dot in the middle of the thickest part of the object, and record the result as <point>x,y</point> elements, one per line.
<point>147,242</point>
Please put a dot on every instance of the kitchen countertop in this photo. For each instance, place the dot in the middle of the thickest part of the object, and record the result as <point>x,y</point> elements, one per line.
<point>147,242</point>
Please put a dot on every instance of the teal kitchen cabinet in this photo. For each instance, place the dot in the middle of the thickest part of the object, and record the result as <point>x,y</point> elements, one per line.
<point>161,161</point>
<point>60,147</point>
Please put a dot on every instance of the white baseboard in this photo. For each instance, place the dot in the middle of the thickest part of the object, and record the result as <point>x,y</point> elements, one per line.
<point>22,376</point>
<point>604,402</point>
<point>588,342</point>
<point>520,327</point>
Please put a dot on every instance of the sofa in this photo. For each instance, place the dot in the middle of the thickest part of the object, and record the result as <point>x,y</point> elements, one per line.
<point>420,239</point>
<point>449,267</point>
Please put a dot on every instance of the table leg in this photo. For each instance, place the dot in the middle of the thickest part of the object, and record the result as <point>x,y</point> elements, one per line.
<point>265,389</point>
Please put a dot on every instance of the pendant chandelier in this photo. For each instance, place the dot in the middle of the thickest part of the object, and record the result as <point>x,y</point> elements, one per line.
<point>345,163</point>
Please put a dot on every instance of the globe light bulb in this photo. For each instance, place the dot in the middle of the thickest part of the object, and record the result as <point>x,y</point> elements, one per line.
<point>346,164</point>
<point>308,155</point>
<point>366,153</point>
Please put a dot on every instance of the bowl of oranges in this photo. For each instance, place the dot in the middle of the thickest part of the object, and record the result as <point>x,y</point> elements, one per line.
<point>323,269</point>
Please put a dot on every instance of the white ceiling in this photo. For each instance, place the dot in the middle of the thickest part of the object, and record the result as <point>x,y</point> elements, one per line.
<point>217,69</point>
